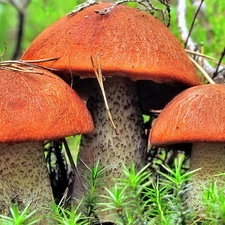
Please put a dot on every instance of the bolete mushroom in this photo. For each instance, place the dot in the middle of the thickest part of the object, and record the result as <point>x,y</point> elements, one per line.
<point>197,116</point>
<point>35,106</point>
<point>132,45</point>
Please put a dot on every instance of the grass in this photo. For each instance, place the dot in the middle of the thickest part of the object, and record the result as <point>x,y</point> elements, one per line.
<point>18,217</point>
<point>136,199</point>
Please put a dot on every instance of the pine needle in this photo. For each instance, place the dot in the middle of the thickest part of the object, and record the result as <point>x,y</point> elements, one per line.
<point>204,56</point>
<point>25,65</point>
<point>201,69</point>
<point>98,74</point>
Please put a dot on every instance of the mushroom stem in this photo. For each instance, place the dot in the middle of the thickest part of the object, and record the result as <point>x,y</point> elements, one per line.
<point>208,157</point>
<point>24,175</point>
<point>104,144</point>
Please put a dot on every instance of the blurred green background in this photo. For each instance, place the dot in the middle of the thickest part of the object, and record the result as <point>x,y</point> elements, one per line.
<point>39,14</point>
<point>209,27</point>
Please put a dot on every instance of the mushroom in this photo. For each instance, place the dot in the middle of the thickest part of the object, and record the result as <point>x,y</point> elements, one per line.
<point>35,106</point>
<point>197,116</point>
<point>132,45</point>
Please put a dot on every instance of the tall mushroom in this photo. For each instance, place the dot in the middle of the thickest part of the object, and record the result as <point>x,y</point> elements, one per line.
<point>132,45</point>
<point>197,116</point>
<point>35,105</point>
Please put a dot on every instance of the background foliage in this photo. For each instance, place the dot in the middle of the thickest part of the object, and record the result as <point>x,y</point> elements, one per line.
<point>209,27</point>
<point>39,15</point>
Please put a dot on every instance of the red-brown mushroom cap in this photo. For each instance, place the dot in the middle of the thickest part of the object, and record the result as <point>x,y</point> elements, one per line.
<point>129,41</point>
<point>37,106</point>
<point>195,115</point>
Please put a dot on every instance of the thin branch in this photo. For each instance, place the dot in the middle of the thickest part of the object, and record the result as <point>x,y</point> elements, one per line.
<point>219,63</point>
<point>146,3</point>
<point>82,6</point>
<point>193,22</point>
<point>20,6</point>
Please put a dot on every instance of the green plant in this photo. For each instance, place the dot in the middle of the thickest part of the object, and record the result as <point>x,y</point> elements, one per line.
<point>136,199</point>
<point>214,202</point>
<point>68,216</point>
<point>177,183</point>
<point>126,199</point>
<point>17,217</point>
<point>90,201</point>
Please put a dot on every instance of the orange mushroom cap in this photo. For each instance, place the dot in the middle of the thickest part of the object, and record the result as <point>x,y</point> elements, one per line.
<point>129,42</point>
<point>195,115</point>
<point>37,106</point>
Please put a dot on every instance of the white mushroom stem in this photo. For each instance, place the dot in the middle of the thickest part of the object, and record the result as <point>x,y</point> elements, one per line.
<point>103,143</point>
<point>24,177</point>
<point>210,158</point>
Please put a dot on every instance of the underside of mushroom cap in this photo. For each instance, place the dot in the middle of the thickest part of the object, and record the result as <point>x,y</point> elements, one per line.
<point>195,115</point>
<point>129,42</point>
<point>37,105</point>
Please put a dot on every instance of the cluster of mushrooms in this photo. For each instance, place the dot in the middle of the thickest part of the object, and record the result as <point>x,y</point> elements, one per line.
<point>135,53</point>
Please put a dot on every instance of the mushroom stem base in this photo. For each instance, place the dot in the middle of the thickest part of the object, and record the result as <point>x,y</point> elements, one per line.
<point>210,157</point>
<point>24,177</point>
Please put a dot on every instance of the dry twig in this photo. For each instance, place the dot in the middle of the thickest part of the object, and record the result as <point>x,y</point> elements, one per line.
<point>98,74</point>
<point>147,4</point>
<point>193,21</point>
<point>24,65</point>
<point>201,69</point>
<point>205,56</point>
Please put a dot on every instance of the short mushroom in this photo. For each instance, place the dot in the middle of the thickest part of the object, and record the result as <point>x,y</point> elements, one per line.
<point>35,106</point>
<point>132,45</point>
<point>197,116</point>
